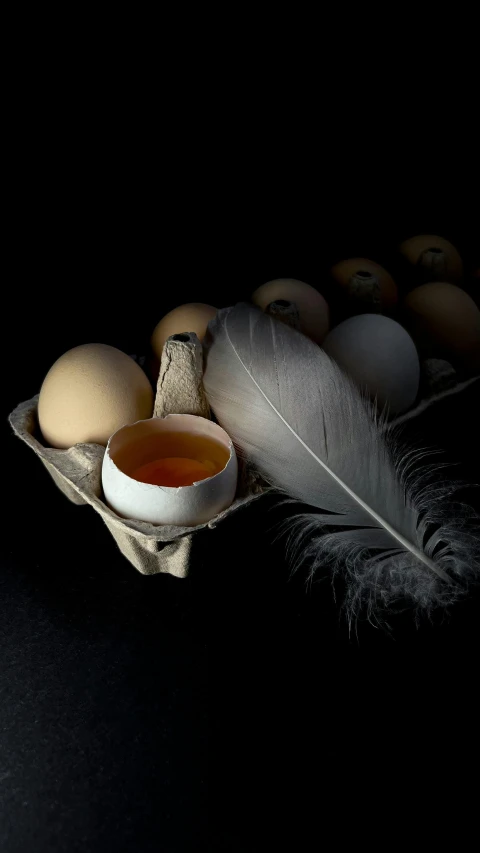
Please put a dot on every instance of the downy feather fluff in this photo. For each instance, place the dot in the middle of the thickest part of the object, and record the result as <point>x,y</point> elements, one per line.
<point>373,514</point>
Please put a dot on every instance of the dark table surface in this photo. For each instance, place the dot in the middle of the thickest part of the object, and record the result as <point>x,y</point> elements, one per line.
<point>132,708</point>
<point>156,714</point>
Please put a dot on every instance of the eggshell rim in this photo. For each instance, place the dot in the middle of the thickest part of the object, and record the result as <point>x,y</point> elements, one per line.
<point>172,489</point>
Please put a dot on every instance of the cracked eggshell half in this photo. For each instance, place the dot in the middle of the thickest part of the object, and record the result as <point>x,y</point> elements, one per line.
<point>169,448</point>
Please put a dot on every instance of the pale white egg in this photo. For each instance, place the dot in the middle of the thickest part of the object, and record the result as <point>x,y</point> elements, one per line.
<point>380,356</point>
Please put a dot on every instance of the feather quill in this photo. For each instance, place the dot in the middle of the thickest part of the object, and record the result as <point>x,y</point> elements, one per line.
<point>374,516</point>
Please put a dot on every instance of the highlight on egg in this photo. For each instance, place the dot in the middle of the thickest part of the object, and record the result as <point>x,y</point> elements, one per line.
<point>366,282</point>
<point>89,393</point>
<point>380,356</point>
<point>191,317</point>
<point>179,470</point>
<point>434,257</point>
<point>312,307</point>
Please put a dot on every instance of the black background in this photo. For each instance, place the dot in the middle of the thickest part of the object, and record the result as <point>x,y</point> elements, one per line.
<point>222,711</point>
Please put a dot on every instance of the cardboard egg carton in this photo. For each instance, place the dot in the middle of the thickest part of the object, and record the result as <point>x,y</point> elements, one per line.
<point>78,471</point>
<point>165,548</point>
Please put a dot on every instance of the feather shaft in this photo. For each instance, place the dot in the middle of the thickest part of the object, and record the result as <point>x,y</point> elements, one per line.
<point>378,518</point>
<point>306,427</point>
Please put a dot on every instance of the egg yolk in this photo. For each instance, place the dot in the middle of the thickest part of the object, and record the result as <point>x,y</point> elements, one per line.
<point>174,471</point>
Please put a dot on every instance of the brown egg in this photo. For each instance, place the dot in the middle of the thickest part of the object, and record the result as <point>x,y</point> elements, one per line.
<point>89,393</point>
<point>192,317</point>
<point>445,322</point>
<point>312,307</point>
<point>435,258</point>
<point>366,282</point>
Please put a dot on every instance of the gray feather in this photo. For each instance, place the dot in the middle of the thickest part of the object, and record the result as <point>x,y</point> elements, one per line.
<point>302,422</point>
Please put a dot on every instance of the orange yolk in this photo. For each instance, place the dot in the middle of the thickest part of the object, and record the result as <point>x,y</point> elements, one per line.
<point>174,471</point>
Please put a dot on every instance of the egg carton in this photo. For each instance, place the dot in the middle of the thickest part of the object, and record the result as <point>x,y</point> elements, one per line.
<point>78,471</point>
<point>152,549</point>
